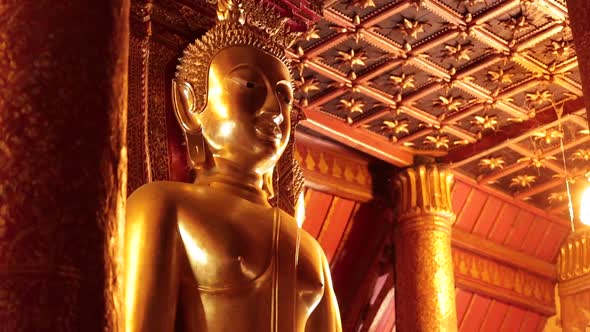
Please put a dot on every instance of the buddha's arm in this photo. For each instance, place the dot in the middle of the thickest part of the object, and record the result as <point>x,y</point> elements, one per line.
<point>151,271</point>
<point>326,316</point>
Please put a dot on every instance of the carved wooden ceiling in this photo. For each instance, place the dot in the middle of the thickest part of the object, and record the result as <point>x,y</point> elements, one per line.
<point>478,83</point>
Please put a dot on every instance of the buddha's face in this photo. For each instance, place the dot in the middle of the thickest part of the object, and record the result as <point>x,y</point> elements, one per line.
<point>246,120</point>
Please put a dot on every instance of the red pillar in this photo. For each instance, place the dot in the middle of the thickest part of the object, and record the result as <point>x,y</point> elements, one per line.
<point>63,85</point>
<point>579,12</point>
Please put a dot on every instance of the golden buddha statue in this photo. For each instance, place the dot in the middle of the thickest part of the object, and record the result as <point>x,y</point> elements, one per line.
<point>214,255</point>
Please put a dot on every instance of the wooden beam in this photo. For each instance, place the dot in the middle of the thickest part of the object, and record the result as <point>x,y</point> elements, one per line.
<point>338,130</point>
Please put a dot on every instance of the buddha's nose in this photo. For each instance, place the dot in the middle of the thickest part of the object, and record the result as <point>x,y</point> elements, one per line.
<point>271,114</point>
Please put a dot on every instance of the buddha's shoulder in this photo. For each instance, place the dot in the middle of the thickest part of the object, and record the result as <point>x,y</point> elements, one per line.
<point>311,248</point>
<point>165,195</point>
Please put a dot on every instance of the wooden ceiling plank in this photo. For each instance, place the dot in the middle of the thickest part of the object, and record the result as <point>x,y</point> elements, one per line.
<point>512,319</point>
<point>488,216</point>
<point>551,246</point>
<point>336,129</point>
<point>499,231</point>
<point>478,308</point>
<point>534,236</point>
<point>498,252</point>
<point>462,300</point>
<point>494,317</point>
<point>520,229</point>
<point>512,200</point>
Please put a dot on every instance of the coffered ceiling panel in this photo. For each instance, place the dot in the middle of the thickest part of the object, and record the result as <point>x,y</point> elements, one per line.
<point>490,87</point>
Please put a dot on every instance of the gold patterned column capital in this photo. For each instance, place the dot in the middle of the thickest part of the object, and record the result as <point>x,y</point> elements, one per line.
<point>421,191</point>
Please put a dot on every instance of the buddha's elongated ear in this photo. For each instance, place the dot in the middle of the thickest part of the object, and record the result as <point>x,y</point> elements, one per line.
<point>184,104</point>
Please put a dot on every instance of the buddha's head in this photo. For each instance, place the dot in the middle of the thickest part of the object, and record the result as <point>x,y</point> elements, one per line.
<point>233,98</point>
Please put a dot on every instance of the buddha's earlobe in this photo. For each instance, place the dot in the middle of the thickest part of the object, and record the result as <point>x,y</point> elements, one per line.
<point>183,100</point>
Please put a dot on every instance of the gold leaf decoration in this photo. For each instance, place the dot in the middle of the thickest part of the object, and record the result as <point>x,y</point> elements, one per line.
<point>537,162</point>
<point>438,141</point>
<point>500,76</point>
<point>557,197</point>
<point>547,136</point>
<point>538,98</point>
<point>352,58</point>
<point>485,122</point>
<point>410,27</point>
<point>461,142</point>
<point>560,48</point>
<point>360,4</point>
<point>518,24</point>
<point>298,62</point>
<point>394,128</point>
<point>569,178</point>
<point>351,105</point>
<point>458,51</point>
<point>523,181</point>
<point>581,154</point>
<point>449,104</point>
<point>312,33</point>
<point>403,81</point>
<point>307,85</point>
<point>492,163</point>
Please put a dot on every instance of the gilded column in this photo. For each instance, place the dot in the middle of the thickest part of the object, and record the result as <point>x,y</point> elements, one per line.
<point>425,285</point>
<point>573,269</point>
<point>63,84</point>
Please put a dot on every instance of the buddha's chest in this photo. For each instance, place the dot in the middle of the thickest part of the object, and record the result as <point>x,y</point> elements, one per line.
<point>250,256</point>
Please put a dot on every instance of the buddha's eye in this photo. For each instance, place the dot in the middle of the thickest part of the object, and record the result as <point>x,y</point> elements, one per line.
<point>244,83</point>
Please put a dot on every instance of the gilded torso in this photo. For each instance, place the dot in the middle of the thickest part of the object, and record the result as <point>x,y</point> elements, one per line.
<point>236,256</point>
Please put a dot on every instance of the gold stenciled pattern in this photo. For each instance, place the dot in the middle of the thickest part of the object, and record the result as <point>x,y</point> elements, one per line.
<point>531,288</point>
<point>424,190</point>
